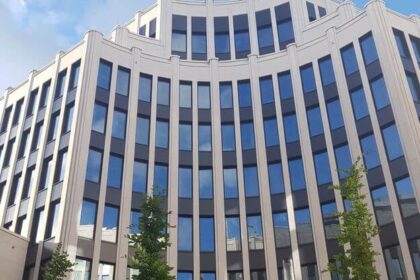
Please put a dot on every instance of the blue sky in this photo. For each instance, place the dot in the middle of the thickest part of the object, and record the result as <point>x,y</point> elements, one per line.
<point>33,31</point>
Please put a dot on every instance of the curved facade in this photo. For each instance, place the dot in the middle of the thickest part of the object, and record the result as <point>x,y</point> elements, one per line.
<point>240,113</point>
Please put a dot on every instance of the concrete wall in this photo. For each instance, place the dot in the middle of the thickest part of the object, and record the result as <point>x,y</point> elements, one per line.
<point>12,255</point>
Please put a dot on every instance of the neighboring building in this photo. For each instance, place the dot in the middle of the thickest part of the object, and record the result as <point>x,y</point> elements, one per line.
<point>12,255</point>
<point>241,113</point>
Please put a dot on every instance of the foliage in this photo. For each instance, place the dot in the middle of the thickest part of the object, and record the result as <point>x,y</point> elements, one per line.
<point>151,241</point>
<point>58,266</point>
<point>357,228</point>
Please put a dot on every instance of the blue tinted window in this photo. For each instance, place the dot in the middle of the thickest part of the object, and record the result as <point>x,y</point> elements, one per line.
<point>206,183</point>
<point>233,234</point>
<point>206,234</point>
<point>327,71</point>
<point>163,91</point>
<point>271,133</point>
<point>115,170</point>
<point>207,276</point>
<point>142,131</point>
<point>255,233</point>
<point>185,136</point>
<point>251,181</point>
<point>110,224</point>
<point>94,165</point>
<point>303,226</point>
<point>406,197</point>
<point>275,176</point>
<point>179,42</point>
<point>416,47</point>
<point>99,118</point>
<point>382,206</point>
<point>285,85</point>
<point>204,138</point>
<point>315,121</point>
<point>266,90</point>
<point>118,124</point>
<point>185,236</point>
<point>343,159</point>
<point>185,276</point>
<point>414,86</point>
<point>322,168</point>
<point>291,128</point>
<point>123,81</point>
<point>228,137</point>
<point>139,176</point>
<point>380,93</point>
<point>59,90</point>
<point>265,37</point>
<point>162,134</point>
<point>199,43</point>
<point>368,47</point>
<point>104,74</point>
<point>87,219</point>
<point>134,222</point>
<point>308,78</point>
<point>145,87</point>
<point>247,136</point>
<point>322,11</point>
<point>244,94</point>
<point>160,180</point>
<point>203,93</point>
<point>331,222</point>
<point>242,41</point>
<point>230,183</point>
<point>349,60</point>
<point>285,31</point>
<point>185,89</point>
<point>226,99</point>
<point>281,229</point>
<point>222,43</point>
<point>335,116</point>
<point>401,44</point>
<point>370,152</point>
<point>185,182</point>
<point>392,142</point>
<point>297,174</point>
<point>358,102</point>
<point>311,11</point>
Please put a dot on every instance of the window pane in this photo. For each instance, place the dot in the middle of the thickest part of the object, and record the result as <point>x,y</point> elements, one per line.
<point>60,166</point>
<point>271,133</point>
<point>370,152</point>
<point>179,42</point>
<point>285,31</point>
<point>331,222</point>
<point>185,276</point>
<point>226,101</point>
<point>235,276</point>
<point>104,74</point>
<point>414,86</point>
<point>258,275</point>
<point>94,166</point>
<point>230,183</point>
<point>115,171</point>
<point>297,175</point>
<point>406,197</point>
<point>134,222</point>
<point>59,90</point>
<point>242,41</point>
<point>414,246</point>
<point>160,180</point>
<point>291,128</point>
<point>185,95</point>
<point>206,183</point>
<point>275,174</point>
<point>82,269</point>
<point>343,159</point>
<point>52,133</point>
<point>139,177</point>
<point>110,224</point>
<point>308,78</point>
<point>68,118</point>
<point>185,236</point>
<point>358,101</point>
<point>162,134</point>
<point>142,131</point>
<point>395,263</point>
<point>185,182</point>
<point>206,235</point>
<point>265,37</point>
<point>380,93</point>
<point>368,49</point>
<point>266,90</point>
<point>303,226</point>
<point>251,181</point>
<point>281,230</point>
<point>203,96</point>
<point>322,169</point>
<point>233,234</point>
<point>309,272</point>
<point>401,44</point>
<point>118,124</point>
<point>382,206</point>
<point>222,43</point>
<point>87,220</point>
<point>416,48</point>
<point>199,43</point>
<point>349,60</point>
<point>207,276</point>
<point>392,142</point>
<point>327,71</point>
<point>255,233</point>
<point>228,137</point>
<point>204,138</point>
<point>123,81</point>
<point>185,137</point>
<point>105,271</point>
<point>315,121</point>
<point>244,94</point>
<point>145,87</point>
<point>163,91</point>
<point>311,11</point>
<point>285,85</point>
<point>247,136</point>
<point>335,116</point>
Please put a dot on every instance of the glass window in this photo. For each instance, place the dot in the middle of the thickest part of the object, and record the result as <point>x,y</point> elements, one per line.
<point>291,130</point>
<point>401,44</point>
<point>251,181</point>
<point>87,219</point>
<point>315,121</point>
<point>207,276</point>
<point>105,271</point>
<point>266,90</point>
<point>163,91</point>
<point>367,44</point>
<point>82,269</point>
<point>206,183</point>
<point>297,174</point>
<point>382,206</point>
<point>414,86</point>
<point>61,166</point>
<point>199,43</point>
<point>406,198</point>
<point>142,130</point>
<point>15,190</point>
<point>380,93</point>
<point>275,176</point>
<point>61,81</point>
<point>228,137</point>
<point>233,234</point>
<point>139,177</point>
<point>110,224</point>
<point>74,76</point>
<point>185,276</point>
<point>36,141</point>
<point>308,78</point>
<point>119,124</point>
<point>358,101</point>
<point>134,221</point>
<point>185,136</point>
<point>185,89</point>
<point>235,275</point>
<point>244,94</point>
<point>222,42</point>
<point>204,138</point>
<point>265,37</point>
<point>226,99</point>
<point>416,47</point>
<point>16,115</point>
<point>44,94</point>
<point>203,96</point>
<point>115,171</point>
<point>123,81</point>
<point>24,143</point>
<point>285,85</point>
<point>31,103</point>
<point>52,133</point>
<point>327,71</point>
<point>145,87</point>
<point>94,166</point>
<point>258,275</point>
<point>395,263</point>
<point>303,226</point>
<point>29,184</point>
<point>185,182</point>
<point>160,180</point>
<point>230,183</point>
<point>104,74</point>
<point>335,116</point>
<point>179,41</point>
<point>414,246</point>
<point>311,11</point>
<point>47,168</point>
<point>392,142</point>
<point>255,233</point>
<point>309,272</point>
<point>285,31</point>
<point>9,151</point>
<point>247,136</point>
<point>281,229</point>
<point>185,234</point>
<point>370,152</point>
<point>206,234</point>
<point>6,119</point>
<point>52,222</point>
<point>322,11</point>
<point>343,159</point>
<point>331,222</point>
<point>162,134</point>
<point>349,60</point>
<point>271,133</point>
<point>322,168</point>
<point>242,43</point>
<point>68,118</point>
<point>36,225</point>
<point>99,118</point>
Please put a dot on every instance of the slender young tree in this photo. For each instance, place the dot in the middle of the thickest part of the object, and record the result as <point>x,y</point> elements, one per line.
<point>357,228</point>
<point>59,265</point>
<point>152,240</point>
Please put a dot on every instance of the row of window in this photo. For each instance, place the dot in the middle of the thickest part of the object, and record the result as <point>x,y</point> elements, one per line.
<point>152,29</point>
<point>312,14</point>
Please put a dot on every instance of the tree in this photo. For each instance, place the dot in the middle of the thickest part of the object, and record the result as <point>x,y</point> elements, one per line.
<point>58,266</point>
<point>151,241</point>
<point>357,228</point>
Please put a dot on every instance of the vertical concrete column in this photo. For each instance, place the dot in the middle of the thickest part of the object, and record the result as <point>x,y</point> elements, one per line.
<point>252,28</point>
<point>165,7</point>
<point>300,18</point>
<point>137,20</point>
<point>210,30</point>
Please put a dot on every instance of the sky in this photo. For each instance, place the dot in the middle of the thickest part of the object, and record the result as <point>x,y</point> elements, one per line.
<point>33,31</point>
